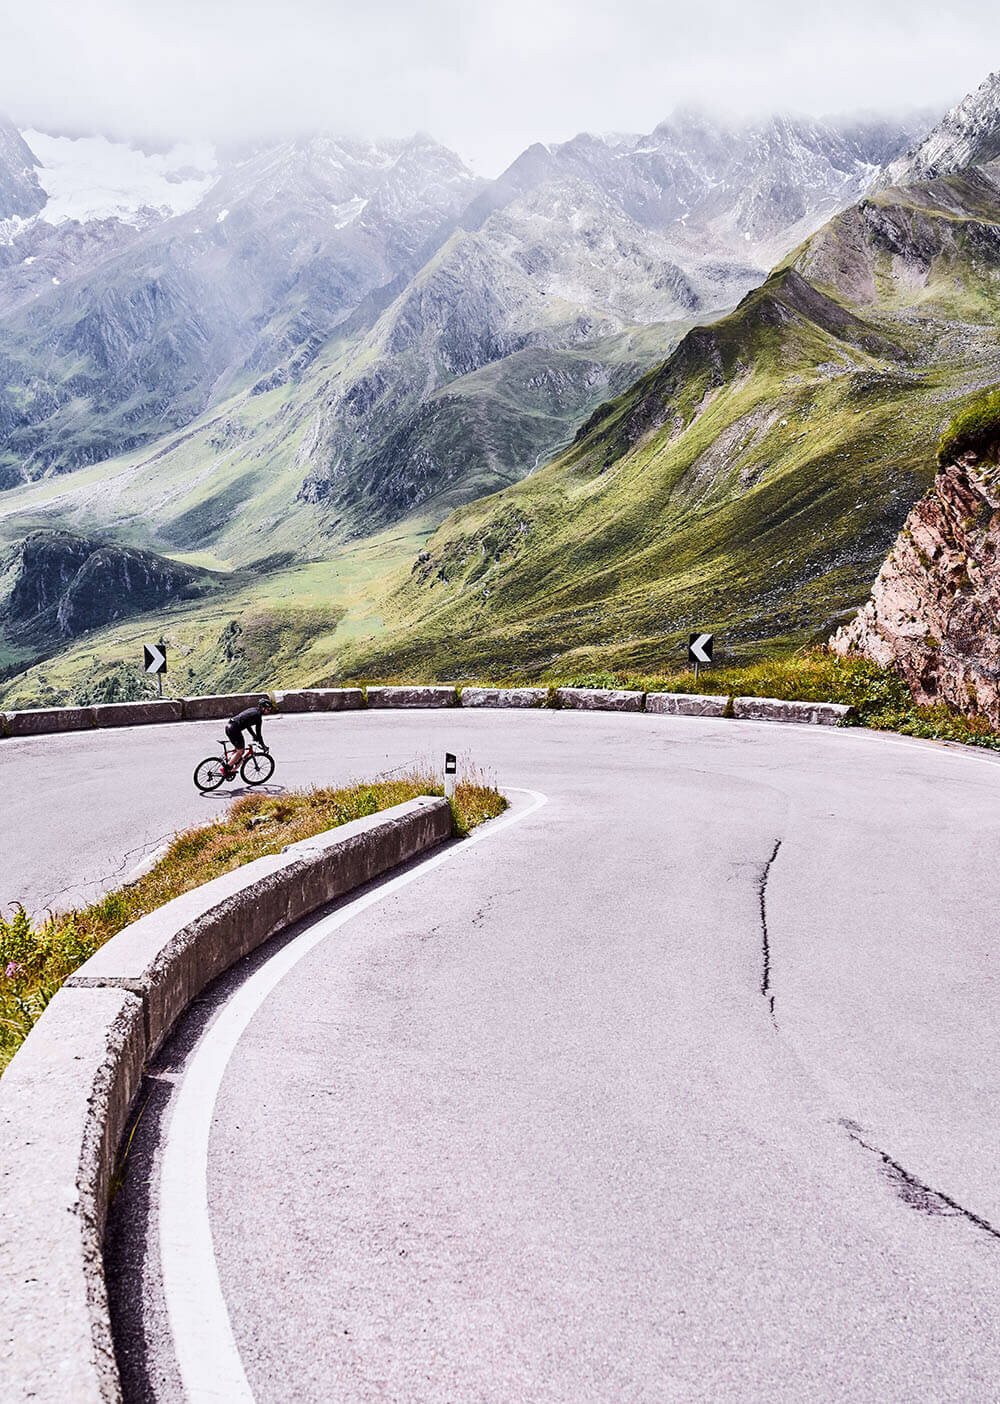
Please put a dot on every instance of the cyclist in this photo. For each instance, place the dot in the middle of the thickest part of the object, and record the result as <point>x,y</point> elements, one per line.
<point>248,720</point>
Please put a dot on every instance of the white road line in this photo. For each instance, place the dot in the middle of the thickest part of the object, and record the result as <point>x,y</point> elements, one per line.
<point>980,755</point>
<point>204,1345</point>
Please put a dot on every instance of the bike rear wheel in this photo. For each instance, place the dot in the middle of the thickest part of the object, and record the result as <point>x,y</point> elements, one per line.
<point>258,767</point>
<point>209,774</point>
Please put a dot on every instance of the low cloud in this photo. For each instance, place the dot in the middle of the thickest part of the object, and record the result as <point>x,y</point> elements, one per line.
<point>484,78</point>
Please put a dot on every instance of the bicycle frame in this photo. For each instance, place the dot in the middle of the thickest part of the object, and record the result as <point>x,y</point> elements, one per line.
<point>255,766</point>
<point>254,749</point>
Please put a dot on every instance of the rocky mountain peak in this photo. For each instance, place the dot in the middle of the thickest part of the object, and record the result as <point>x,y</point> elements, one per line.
<point>56,584</point>
<point>156,305</point>
<point>535,165</point>
<point>722,185</point>
<point>968,135</point>
<point>21,195</point>
<point>334,170</point>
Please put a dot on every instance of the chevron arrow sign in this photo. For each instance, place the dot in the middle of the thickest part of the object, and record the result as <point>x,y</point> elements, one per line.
<point>700,648</point>
<point>155,658</point>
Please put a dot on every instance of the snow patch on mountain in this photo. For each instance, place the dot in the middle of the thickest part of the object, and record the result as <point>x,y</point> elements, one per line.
<point>346,214</point>
<point>88,178</point>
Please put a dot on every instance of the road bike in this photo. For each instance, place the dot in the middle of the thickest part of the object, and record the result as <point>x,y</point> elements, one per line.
<point>255,769</point>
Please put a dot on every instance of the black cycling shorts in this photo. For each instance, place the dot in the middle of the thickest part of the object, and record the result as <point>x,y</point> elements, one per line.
<point>235,734</point>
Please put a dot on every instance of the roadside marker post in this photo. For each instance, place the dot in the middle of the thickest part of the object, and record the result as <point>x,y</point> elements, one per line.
<point>450,769</point>
<point>155,661</point>
<point>700,650</point>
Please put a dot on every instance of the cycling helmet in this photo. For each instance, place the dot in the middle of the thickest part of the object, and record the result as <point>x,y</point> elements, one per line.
<point>265,702</point>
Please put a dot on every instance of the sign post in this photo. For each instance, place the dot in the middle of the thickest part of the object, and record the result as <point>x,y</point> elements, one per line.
<point>700,650</point>
<point>450,767</point>
<point>155,661</point>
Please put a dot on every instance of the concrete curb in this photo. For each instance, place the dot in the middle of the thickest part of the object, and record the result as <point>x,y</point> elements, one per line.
<point>219,708</point>
<point>597,699</point>
<point>775,709</point>
<point>411,697</point>
<point>320,699</point>
<point>169,956</point>
<point>504,696</point>
<point>686,704</point>
<point>64,1101</point>
<point>41,721</point>
<point>65,1098</point>
<point>137,713</point>
<point>44,721</point>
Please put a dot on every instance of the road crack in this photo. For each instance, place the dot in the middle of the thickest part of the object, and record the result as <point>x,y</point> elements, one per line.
<point>117,872</point>
<point>765,937</point>
<point>914,1192</point>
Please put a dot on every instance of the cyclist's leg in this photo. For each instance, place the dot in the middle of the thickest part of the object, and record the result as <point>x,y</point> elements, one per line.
<point>235,735</point>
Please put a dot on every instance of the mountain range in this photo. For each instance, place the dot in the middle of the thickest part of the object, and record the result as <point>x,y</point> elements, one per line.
<point>260,362</point>
<point>752,483</point>
<point>132,320</point>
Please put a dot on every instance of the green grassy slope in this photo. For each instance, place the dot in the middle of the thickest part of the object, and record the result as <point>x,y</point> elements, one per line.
<point>486,430</point>
<point>224,490</point>
<point>278,629</point>
<point>223,493</point>
<point>751,484</point>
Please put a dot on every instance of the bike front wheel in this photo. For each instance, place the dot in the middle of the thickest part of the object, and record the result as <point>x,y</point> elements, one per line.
<point>258,767</point>
<point>209,774</point>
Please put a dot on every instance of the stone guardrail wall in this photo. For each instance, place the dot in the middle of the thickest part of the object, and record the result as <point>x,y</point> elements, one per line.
<point>66,1097</point>
<point>46,720</point>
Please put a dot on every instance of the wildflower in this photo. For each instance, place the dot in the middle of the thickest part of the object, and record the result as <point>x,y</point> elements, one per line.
<point>13,970</point>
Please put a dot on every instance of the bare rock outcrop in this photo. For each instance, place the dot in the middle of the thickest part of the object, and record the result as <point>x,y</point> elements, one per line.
<point>934,611</point>
<point>56,585</point>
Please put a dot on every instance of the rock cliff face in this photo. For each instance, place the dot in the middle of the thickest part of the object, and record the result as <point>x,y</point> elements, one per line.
<point>20,193</point>
<point>56,585</point>
<point>969,135</point>
<point>934,612</point>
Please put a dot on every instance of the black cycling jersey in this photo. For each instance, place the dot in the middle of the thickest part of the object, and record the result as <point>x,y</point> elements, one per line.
<point>248,720</point>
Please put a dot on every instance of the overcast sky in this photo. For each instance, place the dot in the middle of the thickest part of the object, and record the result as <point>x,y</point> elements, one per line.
<point>486,78</point>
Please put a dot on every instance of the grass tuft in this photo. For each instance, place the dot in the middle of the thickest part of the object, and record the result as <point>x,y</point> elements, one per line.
<point>880,697</point>
<point>976,430</point>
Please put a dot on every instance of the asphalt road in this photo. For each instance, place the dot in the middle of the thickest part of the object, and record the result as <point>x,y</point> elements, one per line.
<point>680,1086</point>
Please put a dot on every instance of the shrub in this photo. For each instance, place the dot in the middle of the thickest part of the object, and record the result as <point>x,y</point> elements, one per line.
<point>120,684</point>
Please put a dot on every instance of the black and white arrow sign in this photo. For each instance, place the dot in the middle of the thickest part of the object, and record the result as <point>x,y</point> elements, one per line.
<point>155,660</point>
<point>700,648</point>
